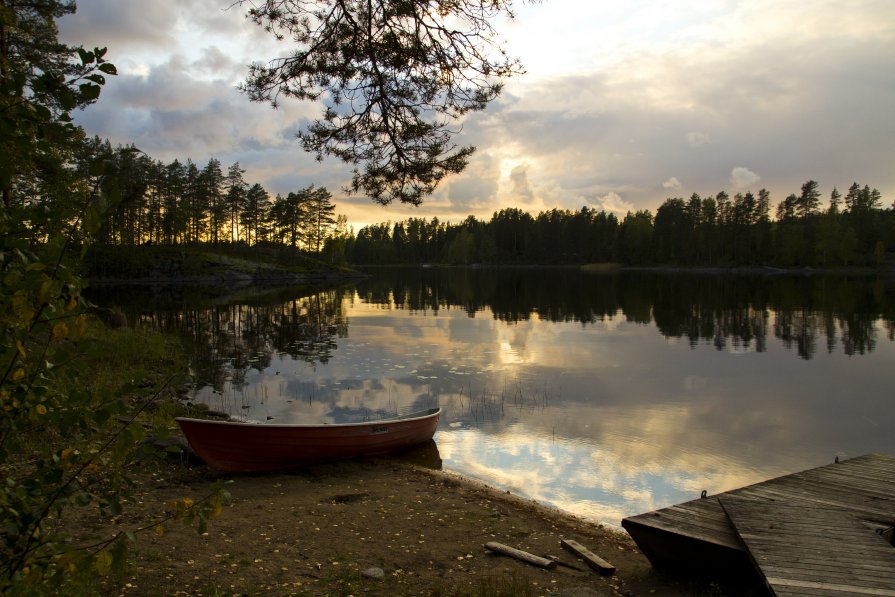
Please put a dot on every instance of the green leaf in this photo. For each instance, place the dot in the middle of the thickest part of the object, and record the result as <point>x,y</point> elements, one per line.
<point>85,56</point>
<point>66,99</point>
<point>103,563</point>
<point>89,91</point>
<point>119,558</point>
<point>46,288</point>
<point>108,68</point>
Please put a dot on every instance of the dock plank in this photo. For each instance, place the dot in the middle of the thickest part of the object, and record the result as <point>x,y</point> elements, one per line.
<point>863,486</point>
<point>773,532</point>
<point>692,516</point>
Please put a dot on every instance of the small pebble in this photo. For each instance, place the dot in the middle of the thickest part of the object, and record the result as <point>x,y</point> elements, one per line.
<point>373,573</point>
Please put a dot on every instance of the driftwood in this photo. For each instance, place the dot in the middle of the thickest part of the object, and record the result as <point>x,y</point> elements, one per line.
<point>592,559</point>
<point>563,564</point>
<point>524,556</point>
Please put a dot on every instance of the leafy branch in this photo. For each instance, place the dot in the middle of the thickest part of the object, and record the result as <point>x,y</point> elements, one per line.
<point>18,560</point>
<point>393,76</point>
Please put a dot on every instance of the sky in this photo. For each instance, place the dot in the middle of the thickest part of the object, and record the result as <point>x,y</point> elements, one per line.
<point>623,104</point>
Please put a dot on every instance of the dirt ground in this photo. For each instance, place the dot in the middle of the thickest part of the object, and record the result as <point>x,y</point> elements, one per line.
<point>317,531</point>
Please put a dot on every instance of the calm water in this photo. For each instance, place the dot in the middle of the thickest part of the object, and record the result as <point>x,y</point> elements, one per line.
<point>601,395</point>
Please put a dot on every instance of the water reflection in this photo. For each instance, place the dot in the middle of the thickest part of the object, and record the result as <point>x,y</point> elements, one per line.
<point>604,396</point>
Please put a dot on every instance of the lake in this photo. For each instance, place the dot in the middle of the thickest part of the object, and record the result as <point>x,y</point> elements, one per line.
<point>602,395</point>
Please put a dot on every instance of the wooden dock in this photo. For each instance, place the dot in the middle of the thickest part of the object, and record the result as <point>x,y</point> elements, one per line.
<point>818,532</point>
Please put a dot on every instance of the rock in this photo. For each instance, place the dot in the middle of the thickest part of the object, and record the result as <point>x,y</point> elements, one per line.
<point>373,573</point>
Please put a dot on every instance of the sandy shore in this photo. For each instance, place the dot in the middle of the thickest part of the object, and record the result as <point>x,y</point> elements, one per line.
<point>318,530</point>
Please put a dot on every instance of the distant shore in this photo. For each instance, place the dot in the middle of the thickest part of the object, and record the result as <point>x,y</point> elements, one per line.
<point>614,268</point>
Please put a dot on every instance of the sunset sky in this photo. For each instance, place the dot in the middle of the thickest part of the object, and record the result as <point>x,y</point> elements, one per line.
<point>623,104</point>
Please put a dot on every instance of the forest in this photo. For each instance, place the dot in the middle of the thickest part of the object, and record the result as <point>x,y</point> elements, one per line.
<point>719,231</point>
<point>182,203</point>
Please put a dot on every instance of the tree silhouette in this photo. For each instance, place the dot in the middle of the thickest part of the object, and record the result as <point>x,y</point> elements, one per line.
<point>393,76</point>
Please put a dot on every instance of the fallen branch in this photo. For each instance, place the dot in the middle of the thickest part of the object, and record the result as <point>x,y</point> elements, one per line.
<point>593,560</point>
<point>524,556</point>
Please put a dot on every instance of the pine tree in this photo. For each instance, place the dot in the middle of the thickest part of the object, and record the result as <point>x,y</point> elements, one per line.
<point>254,211</point>
<point>211,198</point>
<point>397,75</point>
<point>320,214</point>
<point>835,200</point>
<point>809,201</point>
<point>236,196</point>
<point>175,216</point>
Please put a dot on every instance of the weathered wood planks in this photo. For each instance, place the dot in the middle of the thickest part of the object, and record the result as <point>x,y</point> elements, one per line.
<point>700,532</point>
<point>523,556</point>
<point>800,551</point>
<point>593,560</point>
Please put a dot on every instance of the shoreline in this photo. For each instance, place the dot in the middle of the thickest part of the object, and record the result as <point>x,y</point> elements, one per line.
<point>317,530</point>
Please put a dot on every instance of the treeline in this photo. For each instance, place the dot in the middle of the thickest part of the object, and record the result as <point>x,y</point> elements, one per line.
<point>182,202</point>
<point>719,231</point>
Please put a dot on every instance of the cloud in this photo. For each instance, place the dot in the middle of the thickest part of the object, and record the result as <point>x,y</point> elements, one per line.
<point>672,184</point>
<point>171,113</point>
<point>743,178</point>
<point>142,35</point>
<point>476,186</point>
<point>749,101</point>
<point>122,26</point>
<point>521,189</point>
<point>695,139</point>
<point>613,203</point>
<point>650,88</point>
<point>216,63</point>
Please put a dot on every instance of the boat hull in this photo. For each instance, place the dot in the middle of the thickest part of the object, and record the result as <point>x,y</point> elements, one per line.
<point>244,447</point>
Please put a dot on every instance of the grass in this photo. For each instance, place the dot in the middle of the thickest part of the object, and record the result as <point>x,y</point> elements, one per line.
<point>123,364</point>
<point>114,357</point>
<point>504,585</point>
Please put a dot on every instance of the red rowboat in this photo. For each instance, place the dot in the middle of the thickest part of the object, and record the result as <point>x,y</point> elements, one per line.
<point>248,447</point>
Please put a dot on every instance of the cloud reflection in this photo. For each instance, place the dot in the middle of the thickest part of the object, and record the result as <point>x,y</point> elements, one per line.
<point>603,421</point>
<point>604,411</point>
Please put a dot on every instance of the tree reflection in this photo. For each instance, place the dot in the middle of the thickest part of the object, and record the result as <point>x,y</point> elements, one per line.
<point>729,312</point>
<point>225,340</point>
<point>227,337</point>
